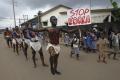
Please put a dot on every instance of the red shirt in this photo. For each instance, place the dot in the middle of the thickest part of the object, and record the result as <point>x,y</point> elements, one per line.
<point>54,36</point>
<point>7,33</point>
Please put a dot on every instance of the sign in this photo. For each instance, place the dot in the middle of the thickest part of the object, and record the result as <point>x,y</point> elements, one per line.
<point>80,16</point>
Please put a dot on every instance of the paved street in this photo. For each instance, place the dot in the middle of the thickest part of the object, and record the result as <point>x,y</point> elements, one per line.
<point>13,67</point>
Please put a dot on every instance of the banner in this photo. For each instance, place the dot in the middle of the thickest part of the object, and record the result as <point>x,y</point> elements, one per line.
<point>80,16</point>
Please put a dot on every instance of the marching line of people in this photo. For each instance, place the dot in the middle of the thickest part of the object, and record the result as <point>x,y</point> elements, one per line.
<point>28,37</point>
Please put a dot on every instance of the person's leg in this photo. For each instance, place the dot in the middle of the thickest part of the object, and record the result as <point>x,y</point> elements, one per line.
<point>104,58</point>
<point>56,63</point>
<point>11,43</point>
<point>33,57</point>
<point>51,59</point>
<point>72,52</point>
<point>115,52</point>
<point>17,48</point>
<point>99,57</point>
<point>14,47</point>
<point>25,48</point>
<point>42,57</point>
<point>109,55</point>
<point>7,41</point>
<point>110,43</point>
<point>77,53</point>
<point>114,56</point>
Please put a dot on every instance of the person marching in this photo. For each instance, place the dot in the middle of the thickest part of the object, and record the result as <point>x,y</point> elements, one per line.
<point>16,41</point>
<point>53,46</point>
<point>7,36</point>
<point>30,39</point>
<point>36,47</point>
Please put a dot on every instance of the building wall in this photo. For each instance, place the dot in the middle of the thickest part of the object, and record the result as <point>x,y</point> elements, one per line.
<point>62,18</point>
<point>98,17</point>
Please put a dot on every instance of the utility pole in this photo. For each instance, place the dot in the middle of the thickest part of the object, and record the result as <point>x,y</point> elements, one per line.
<point>39,19</point>
<point>25,17</point>
<point>19,22</point>
<point>13,4</point>
<point>90,5</point>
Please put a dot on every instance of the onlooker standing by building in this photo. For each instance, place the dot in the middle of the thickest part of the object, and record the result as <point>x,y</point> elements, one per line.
<point>89,42</point>
<point>110,39</point>
<point>115,44</point>
<point>93,45</point>
<point>75,47</point>
<point>102,45</point>
<point>66,39</point>
<point>85,42</point>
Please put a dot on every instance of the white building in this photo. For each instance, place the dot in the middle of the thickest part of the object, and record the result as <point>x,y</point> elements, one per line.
<point>60,11</point>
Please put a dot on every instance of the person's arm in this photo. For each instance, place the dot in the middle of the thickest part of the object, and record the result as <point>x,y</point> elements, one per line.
<point>69,31</point>
<point>97,46</point>
<point>40,30</point>
<point>74,30</point>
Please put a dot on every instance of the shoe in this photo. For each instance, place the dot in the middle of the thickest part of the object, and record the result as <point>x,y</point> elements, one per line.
<point>77,56</point>
<point>115,59</point>
<point>57,72</point>
<point>45,65</point>
<point>52,71</point>
<point>98,61</point>
<point>71,54</point>
<point>108,56</point>
<point>105,62</point>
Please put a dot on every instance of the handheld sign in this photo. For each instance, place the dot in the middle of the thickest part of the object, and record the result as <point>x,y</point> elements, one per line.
<point>80,16</point>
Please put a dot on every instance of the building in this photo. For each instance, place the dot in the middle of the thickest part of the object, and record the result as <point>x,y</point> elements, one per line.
<point>60,11</point>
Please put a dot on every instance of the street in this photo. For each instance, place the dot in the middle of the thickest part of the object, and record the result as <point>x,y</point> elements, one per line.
<point>14,67</point>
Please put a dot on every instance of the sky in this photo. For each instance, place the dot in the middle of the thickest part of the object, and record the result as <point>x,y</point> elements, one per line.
<point>31,8</point>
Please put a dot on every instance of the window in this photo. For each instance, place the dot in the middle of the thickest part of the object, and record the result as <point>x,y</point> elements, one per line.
<point>45,23</point>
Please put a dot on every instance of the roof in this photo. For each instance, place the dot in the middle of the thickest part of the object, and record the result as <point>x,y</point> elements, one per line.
<point>50,10</point>
<point>101,10</point>
<point>54,8</point>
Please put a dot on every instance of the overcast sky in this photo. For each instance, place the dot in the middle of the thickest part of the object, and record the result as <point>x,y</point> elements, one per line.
<point>31,7</point>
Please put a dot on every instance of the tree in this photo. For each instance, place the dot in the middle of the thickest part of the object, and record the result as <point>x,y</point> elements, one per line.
<point>116,11</point>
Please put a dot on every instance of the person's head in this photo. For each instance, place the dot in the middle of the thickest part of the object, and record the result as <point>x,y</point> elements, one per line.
<point>116,33</point>
<point>16,27</point>
<point>74,36</point>
<point>13,29</point>
<point>53,21</point>
<point>102,35</point>
<point>7,29</point>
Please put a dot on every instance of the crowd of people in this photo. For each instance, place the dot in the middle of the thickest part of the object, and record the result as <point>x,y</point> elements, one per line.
<point>96,42</point>
<point>89,41</point>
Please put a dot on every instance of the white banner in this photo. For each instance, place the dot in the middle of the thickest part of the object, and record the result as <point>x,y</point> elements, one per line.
<point>80,16</point>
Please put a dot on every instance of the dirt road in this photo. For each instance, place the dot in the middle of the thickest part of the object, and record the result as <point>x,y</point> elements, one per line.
<point>13,67</point>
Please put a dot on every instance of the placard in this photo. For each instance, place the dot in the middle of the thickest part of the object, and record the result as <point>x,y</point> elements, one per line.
<point>80,16</point>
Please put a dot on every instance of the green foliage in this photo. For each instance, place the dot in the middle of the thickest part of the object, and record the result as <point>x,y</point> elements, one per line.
<point>116,10</point>
<point>114,4</point>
